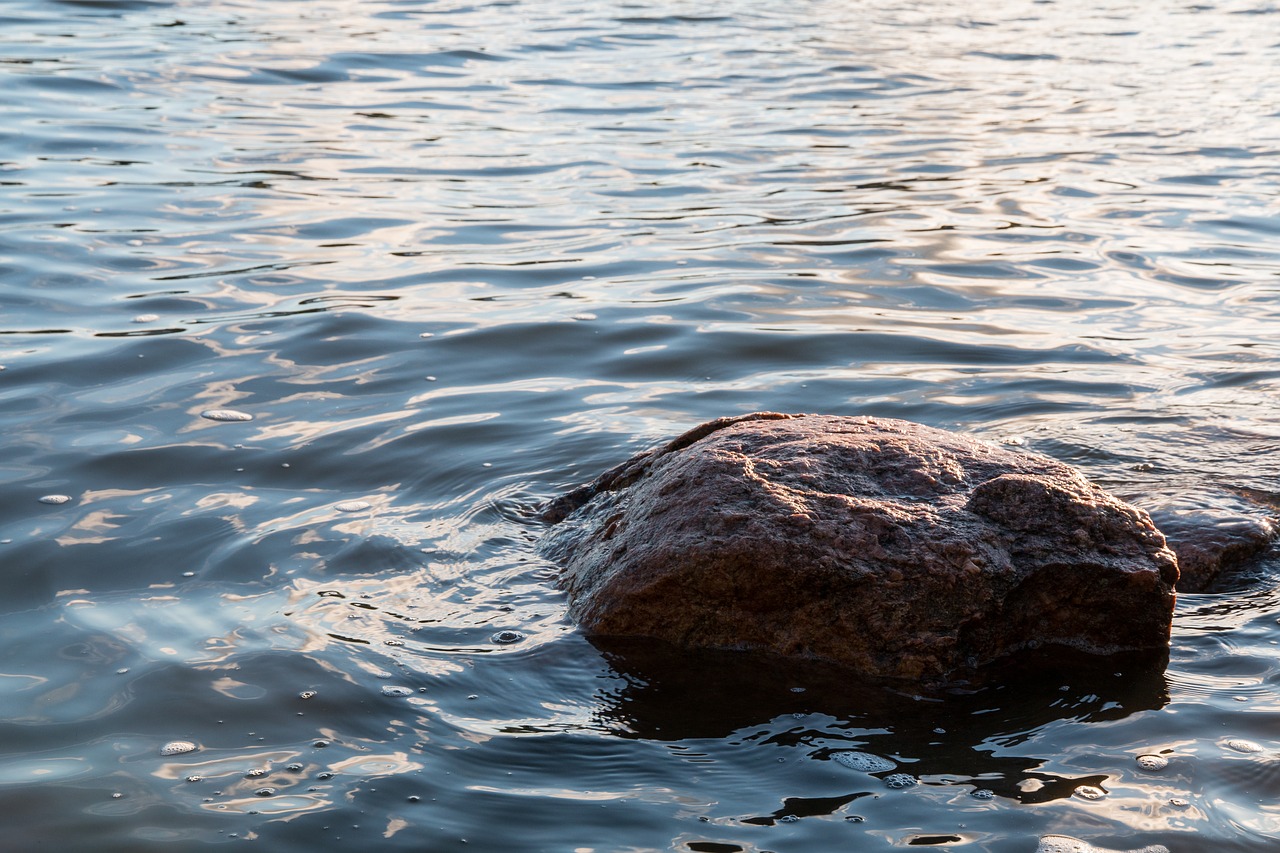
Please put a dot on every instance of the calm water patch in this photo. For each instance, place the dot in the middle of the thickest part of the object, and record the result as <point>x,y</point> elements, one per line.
<point>308,304</point>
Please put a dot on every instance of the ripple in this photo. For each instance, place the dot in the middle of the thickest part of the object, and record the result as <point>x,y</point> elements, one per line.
<point>470,255</point>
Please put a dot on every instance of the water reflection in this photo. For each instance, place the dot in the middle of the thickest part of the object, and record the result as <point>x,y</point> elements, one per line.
<point>456,257</point>
<point>955,736</point>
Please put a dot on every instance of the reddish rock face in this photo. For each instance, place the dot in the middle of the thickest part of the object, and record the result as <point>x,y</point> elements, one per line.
<point>893,548</point>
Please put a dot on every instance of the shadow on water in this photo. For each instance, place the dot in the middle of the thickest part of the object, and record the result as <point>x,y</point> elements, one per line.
<point>957,734</point>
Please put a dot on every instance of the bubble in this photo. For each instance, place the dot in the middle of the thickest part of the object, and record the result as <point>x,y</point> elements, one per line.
<point>226,415</point>
<point>506,638</point>
<point>320,744</point>
<point>194,778</point>
<point>1241,745</point>
<point>146,318</point>
<point>307,694</point>
<point>1090,792</point>
<point>863,762</point>
<point>295,768</point>
<point>1152,762</point>
<point>265,792</point>
<point>788,818</point>
<point>1179,803</point>
<point>55,499</point>
<point>392,690</point>
<point>352,506</point>
<point>255,773</point>
<point>1067,844</point>
<point>983,794</point>
<point>900,780</point>
<point>178,747</point>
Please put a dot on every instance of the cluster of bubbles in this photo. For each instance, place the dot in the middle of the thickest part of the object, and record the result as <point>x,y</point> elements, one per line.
<point>178,747</point>
<point>396,690</point>
<point>863,762</point>
<point>226,415</point>
<point>1067,844</point>
<point>1245,746</point>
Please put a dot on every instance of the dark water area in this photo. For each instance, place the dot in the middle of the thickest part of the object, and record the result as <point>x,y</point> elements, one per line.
<point>453,259</point>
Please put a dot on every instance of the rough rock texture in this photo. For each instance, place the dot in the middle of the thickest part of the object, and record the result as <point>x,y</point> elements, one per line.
<point>893,548</point>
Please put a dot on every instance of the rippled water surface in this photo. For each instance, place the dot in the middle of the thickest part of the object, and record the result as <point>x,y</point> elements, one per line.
<point>306,303</point>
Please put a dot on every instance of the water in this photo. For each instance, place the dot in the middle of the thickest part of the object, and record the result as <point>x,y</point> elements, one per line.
<point>452,259</point>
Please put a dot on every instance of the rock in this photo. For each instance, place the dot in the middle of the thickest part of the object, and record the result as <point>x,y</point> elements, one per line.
<point>1214,535</point>
<point>892,548</point>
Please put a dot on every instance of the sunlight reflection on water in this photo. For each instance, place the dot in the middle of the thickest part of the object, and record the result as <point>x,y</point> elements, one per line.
<point>454,258</point>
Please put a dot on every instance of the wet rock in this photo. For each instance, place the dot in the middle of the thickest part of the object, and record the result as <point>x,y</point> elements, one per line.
<point>1214,535</point>
<point>892,548</point>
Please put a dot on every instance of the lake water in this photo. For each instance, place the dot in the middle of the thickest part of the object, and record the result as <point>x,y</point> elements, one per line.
<point>454,258</point>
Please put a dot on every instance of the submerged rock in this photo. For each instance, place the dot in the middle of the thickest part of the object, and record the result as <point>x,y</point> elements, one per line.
<point>1214,535</point>
<point>892,548</point>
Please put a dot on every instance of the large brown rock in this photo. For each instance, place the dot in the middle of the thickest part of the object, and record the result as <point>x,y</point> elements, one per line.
<point>893,548</point>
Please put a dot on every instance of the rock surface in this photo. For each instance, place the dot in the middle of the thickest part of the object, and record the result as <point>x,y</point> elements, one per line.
<point>892,548</point>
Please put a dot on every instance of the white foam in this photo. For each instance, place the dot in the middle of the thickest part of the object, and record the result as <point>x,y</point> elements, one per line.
<point>178,747</point>
<point>226,415</point>
<point>1067,844</point>
<point>864,762</point>
<point>1242,745</point>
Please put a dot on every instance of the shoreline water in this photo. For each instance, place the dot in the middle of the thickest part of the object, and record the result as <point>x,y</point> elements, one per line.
<point>454,259</point>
